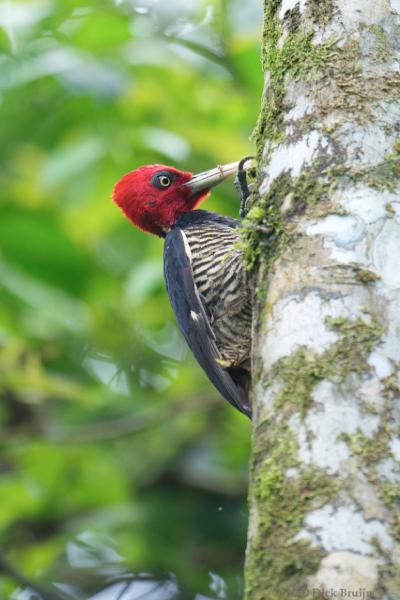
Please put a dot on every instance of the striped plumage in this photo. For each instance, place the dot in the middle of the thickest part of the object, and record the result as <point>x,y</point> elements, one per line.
<point>207,286</point>
<point>222,280</point>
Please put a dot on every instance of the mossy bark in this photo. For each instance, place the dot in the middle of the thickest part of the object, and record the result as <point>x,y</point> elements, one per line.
<point>322,239</point>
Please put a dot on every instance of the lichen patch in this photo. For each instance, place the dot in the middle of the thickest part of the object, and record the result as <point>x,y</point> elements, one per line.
<point>386,253</point>
<point>293,158</point>
<point>344,529</point>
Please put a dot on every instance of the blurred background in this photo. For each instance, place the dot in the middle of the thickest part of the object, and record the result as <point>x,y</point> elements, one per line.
<point>123,473</point>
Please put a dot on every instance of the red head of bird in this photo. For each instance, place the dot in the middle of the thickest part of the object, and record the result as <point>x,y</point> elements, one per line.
<point>153,197</point>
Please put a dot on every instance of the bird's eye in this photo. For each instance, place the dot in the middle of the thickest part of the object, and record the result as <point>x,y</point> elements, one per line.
<point>162,180</point>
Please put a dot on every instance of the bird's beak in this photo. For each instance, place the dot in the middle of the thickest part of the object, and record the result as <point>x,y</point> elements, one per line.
<point>208,179</point>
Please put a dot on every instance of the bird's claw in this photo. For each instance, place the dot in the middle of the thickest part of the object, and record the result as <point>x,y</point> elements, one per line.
<point>243,187</point>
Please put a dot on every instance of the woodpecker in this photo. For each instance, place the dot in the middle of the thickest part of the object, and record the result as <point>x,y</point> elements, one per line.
<point>204,270</point>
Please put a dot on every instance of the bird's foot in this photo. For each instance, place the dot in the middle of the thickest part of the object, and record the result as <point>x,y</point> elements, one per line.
<point>243,187</point>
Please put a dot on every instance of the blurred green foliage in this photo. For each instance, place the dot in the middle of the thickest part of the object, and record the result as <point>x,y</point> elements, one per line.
<point>117,455</point>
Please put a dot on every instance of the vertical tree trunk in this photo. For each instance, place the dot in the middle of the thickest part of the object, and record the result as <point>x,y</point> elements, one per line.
<point>325,480</point>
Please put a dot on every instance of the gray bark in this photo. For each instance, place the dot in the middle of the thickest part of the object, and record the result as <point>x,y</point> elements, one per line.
<point>325,477</point>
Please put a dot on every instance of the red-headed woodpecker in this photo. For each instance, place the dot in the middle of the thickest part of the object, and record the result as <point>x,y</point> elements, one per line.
<point>204,270</point>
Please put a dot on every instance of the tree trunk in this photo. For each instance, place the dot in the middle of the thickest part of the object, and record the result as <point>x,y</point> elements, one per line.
<point>325,477</point>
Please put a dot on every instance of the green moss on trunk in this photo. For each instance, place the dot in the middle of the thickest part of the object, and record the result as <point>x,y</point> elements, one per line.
<point>370,450</point>
<point>321,12</point>
<point>277,564</point>
<point>283,491</point>
<point>366,276</point>
<point>270,224</point>
<point>298,58</point>
<point>303,370</point>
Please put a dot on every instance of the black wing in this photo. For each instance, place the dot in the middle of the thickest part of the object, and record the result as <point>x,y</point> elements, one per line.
<point>193,321</point>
